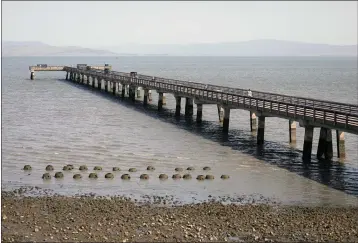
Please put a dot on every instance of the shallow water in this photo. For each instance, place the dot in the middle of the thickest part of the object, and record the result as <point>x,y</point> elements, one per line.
<point>51,121</point>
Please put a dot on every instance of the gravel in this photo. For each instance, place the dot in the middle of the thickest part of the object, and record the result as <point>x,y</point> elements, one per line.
<point>118,219</point>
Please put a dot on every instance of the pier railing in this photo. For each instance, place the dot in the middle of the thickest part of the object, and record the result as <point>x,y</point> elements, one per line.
<point>333,114</point>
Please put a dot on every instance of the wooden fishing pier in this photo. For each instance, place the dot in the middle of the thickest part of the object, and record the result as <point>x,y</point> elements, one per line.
<point>309,113</point>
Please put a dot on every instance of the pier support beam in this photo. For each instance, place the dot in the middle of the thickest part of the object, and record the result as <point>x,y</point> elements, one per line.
<point>226,121</point>
<point>253,122</point>
<point>106,86</point>
<point>99,83</point>
<point>145,99</point>
<point>123,91</point>
<point>189,107</point>
<point>150,96</point>
<point>66,75</point>
<point>32,75</point>
<point>78,77</point>
<point>93,82</point>
<point>177,105</point>
<point>83,78</point>
<point>325,146</point>
<point>199,113</point>
<point>292,131</point>
<point>307,144</point>
<point>138,92</point>
<point>160,101</point>
<point>132,93</point>
<point>220,113</point>
<point>114,89</point>
<point>341,147</point>
<point>261,130</point>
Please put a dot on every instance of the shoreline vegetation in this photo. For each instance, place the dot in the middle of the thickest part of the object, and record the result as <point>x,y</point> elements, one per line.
<point>88,218</point>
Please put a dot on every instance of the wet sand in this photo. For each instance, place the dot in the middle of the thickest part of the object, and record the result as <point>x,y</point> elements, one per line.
<point>118,219</point>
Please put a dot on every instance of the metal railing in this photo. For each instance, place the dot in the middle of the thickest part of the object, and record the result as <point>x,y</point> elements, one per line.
<point>326,113</point>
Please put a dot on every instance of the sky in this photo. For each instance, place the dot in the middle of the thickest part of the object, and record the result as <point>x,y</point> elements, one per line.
<point>100,23</point>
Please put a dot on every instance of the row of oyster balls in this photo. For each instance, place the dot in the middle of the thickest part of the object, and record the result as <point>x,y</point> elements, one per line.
<point>70,167</point>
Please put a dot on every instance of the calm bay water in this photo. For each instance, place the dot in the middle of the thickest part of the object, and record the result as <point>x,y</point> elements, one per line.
<point>50,121</point>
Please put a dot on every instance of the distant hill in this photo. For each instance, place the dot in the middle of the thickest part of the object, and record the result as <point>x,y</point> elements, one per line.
<point>34,48</point>
<point>245,48</point>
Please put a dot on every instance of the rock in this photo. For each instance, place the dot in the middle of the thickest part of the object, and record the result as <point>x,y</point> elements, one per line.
<point>27,167</point>
<point>163,176</point>
<point>200,177</point>
<point>187,176</point>
<point>66,168</point>
<point>132,170</point>
<point>49,168</point>
<point>151,168</point>
<point>125,177</point>
<point>176,176</point>
<point>225,177</point>
<point>109,176</point>
<point>46,176</point>
<point>97,168</point>
<point>83,167</point>
<point>59,175</point>
<point>190,168</point>
<point>116,169</point>
<point>209,177</point>
<point>178,169</point>
<point>206,168</point>
<point>144,176</point>
<point>77,176</point>
<point>93,175</point>
<point>71,166</point>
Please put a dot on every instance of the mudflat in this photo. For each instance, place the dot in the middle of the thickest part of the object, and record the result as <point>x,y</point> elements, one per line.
<point>118,219</point>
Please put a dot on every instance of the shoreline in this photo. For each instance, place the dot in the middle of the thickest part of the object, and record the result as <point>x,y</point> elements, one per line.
<point>119,219</point>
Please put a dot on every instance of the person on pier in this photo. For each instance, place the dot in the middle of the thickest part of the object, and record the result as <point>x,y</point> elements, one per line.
<point>249,93</point>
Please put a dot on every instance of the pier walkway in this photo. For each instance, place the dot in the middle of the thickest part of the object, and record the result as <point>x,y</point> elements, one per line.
<point>309,113</point>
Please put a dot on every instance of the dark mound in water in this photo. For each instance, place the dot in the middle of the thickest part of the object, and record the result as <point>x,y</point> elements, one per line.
<point>46,176</point>
<point>187,176</point>
<point>27,167</point>
<point>93,175</point>
<point>97,168</point>
<point>151,168</point>
<point>71,166</point>
<point>125,177</point>
<point>200,177</point>
<point>224,177</point>
<point>178,169</point>
<point>132,170</point>
<point>67,168</point>
<point>206,168</point>
<point>116,169</point>
<point>190,168</point>
<point>109,176</point>
<point>176,176</point>
<point>144,176</point>
<point>163,176</point>
<point>209,177</point>
<point>77,176</point>
<point>59,175</point>
<point>49,168</point>
<point>83,167</point>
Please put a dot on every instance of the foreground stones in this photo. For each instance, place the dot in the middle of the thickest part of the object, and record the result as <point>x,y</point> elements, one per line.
<point>83,167</point>
<point>49,168</point>
<point>77,176</point>
<point>59,175</point>
<point>27,167</point>
<point>90,219</point>
<point>109,176</point>
<point>46,176</point>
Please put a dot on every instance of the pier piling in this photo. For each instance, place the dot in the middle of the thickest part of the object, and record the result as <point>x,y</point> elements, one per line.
<point>307,144</point>
<point>325,146</point>
<point>261,130</point>
<point>341,148</point>
<point>189,109</point>
<point>160,101</point>
<point>199,113</point>
<point>253,122</point>
<point>292,131</point>
<point>226,120</point>
<point>177,105</point>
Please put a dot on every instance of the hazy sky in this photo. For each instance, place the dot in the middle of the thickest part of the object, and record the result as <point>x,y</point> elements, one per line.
<point>102,23</point>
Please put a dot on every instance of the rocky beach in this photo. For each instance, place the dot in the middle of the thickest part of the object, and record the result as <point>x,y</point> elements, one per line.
<point>89,218</point>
